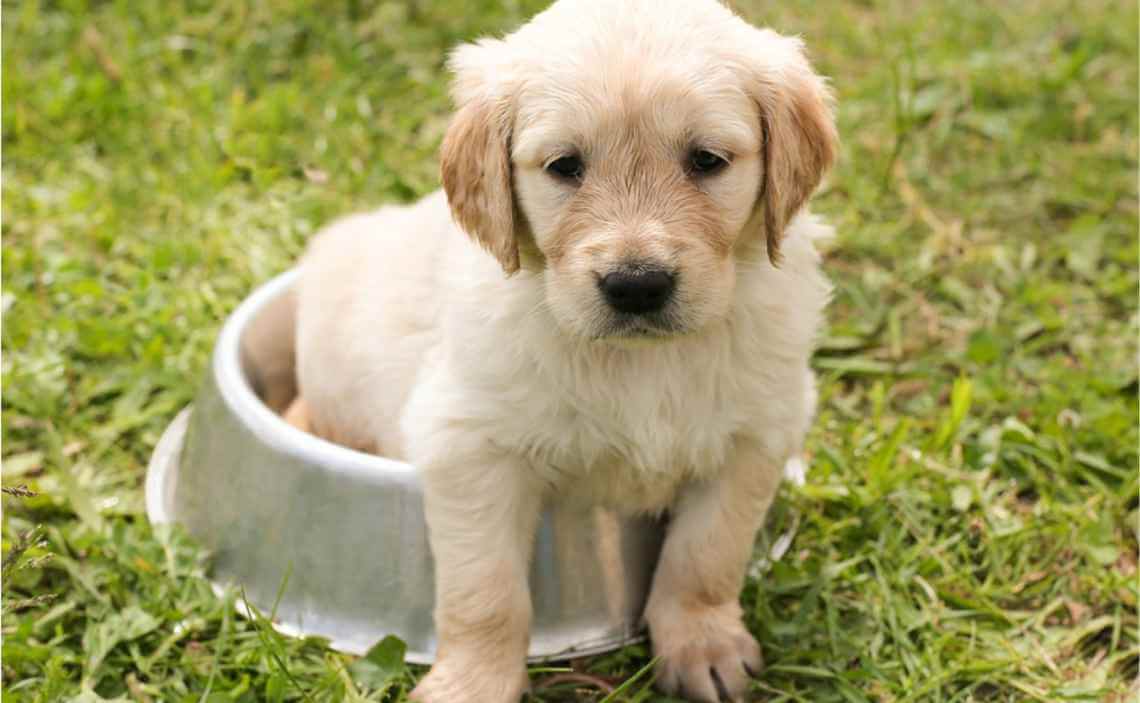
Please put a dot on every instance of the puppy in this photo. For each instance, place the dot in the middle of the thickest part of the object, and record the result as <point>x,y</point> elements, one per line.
<point>613,299</point>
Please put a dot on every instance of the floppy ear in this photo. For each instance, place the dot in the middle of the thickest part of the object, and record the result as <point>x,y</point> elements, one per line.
<point>800,140</point>
<point>475,164</point>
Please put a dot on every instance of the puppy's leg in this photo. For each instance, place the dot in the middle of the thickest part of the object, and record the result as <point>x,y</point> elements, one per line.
<point>693,612</point>
<point>482,510</point>
<point>297,415</point>
<point>300,415</point>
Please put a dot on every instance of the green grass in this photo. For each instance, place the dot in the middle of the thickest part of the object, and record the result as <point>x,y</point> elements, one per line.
<point>969,528</point>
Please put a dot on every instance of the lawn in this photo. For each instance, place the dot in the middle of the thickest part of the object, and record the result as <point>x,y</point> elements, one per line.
<point>968,531</point>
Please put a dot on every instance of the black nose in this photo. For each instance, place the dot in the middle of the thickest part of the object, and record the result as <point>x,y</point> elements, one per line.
<point>637,292</point>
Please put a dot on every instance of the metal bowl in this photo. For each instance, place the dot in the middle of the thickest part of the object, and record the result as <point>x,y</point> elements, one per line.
<point>344,531</point>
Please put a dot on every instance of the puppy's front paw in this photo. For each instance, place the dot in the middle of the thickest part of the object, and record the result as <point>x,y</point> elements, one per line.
<point>456,680</point>
<point>705,654</point>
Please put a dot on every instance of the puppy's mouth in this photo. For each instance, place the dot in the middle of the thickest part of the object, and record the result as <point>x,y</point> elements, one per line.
<point>654,327</point>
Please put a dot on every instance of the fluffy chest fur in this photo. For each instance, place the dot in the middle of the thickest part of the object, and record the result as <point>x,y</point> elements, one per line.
<point>627,423</point>
<point>618,422</point>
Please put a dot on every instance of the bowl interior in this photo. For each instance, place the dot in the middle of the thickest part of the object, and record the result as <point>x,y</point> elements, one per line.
<point>267,351</point>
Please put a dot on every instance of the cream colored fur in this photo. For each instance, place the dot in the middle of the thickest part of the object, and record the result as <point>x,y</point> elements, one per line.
<point>510,390</point>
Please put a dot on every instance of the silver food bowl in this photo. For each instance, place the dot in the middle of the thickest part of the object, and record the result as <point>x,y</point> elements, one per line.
<point>344,531</point>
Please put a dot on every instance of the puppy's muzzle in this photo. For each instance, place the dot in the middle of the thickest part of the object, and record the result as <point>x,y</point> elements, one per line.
<point>638,291</point>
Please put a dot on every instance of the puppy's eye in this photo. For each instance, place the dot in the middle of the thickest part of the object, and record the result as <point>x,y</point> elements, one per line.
<point>703,162</point>
<point>569,168</point>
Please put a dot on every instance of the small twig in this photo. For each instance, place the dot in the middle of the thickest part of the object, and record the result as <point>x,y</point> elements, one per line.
<point>575,677</point>
<point>951,232</point>
<point>93,40</point>
<point>20,491</point>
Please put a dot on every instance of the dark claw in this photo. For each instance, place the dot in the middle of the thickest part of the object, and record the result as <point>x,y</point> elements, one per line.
<point>721,691</point>
<point>749,671</point>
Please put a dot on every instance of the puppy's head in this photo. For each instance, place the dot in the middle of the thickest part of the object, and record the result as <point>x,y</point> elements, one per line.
<point>633,153</point>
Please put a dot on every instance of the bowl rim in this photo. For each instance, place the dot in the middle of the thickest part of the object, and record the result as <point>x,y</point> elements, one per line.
<point>270,428</point>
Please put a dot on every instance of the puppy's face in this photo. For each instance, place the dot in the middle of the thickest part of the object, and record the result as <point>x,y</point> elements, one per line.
<point>636,159</point>
<point>636,182</point>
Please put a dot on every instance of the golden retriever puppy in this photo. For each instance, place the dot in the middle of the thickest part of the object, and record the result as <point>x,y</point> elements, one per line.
<point>613,299</point>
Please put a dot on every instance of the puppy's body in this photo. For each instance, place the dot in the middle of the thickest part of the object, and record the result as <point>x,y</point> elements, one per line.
<point>402,321</point>
<point>372,288</point>
<point>622,336</point>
